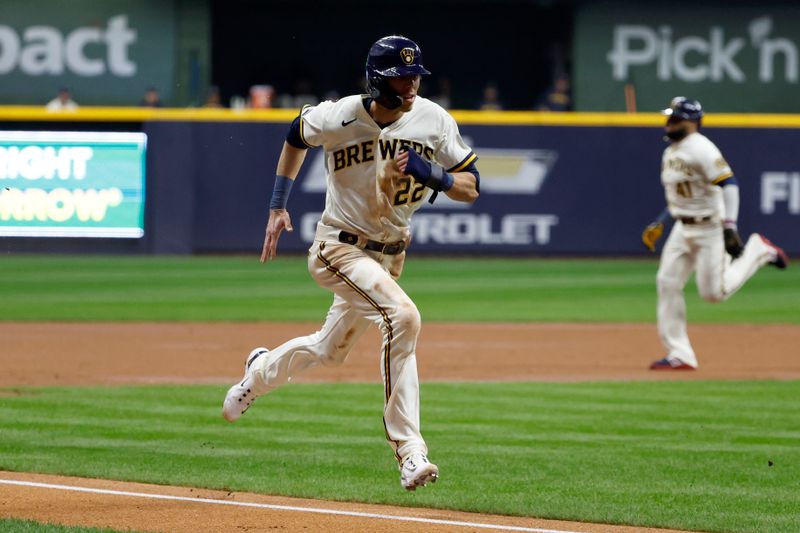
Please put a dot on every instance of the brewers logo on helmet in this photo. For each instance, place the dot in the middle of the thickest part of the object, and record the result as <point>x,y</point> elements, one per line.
<point>408,55</point>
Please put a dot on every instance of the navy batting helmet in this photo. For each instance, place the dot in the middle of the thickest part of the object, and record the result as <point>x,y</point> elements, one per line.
<point>391,57</point>
<point>684,108</point>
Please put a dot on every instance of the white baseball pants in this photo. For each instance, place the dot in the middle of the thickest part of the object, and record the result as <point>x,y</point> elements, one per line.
<point>365,292</point>
<point>700,248</point>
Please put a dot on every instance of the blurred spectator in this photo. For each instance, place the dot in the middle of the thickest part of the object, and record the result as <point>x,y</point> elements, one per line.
<point>491,98</point>
<point>213,98</point>
<point>151,98</point>
<point>442,97</point>
<point>331,95</point>
<point>557,97</point>
<point>62,102</point>
<point>303,94</point>
<point>261,96</point>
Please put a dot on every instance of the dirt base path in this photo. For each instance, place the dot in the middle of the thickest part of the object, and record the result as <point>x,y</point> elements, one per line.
<point>90,353</point>
<point>43,354</point>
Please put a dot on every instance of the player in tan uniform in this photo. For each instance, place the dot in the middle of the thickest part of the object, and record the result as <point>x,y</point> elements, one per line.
<point>703,198</point>
<point>386,153</point>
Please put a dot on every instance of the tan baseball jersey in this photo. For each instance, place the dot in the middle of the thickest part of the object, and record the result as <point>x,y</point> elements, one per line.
<point>690,172</point>
<point>356,152</point>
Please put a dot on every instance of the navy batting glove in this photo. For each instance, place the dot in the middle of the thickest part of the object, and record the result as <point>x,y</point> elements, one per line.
<point>427,172</point>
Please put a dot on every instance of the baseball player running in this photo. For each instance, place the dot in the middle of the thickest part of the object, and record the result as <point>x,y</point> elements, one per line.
<point>703,198</point>
<point>386,153</point>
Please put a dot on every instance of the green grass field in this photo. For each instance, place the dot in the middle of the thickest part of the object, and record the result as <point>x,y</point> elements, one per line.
<point>486,290</point>
<point>29,526</point>
<point>706,456</point>
<point>688,455</point>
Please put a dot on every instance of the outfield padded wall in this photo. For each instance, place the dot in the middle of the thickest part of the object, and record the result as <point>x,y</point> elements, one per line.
<point>551,184</point>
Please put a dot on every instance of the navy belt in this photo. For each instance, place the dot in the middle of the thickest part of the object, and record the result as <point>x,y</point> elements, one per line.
<point>695,220</point>
<point>390,248</point>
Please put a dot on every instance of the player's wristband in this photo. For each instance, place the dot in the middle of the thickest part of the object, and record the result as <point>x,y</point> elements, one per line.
<point>280,193</point>
<point>428,173</point>
<point>444,179</point>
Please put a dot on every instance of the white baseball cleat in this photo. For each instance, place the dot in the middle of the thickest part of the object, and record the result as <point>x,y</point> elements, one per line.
<point>417,471</point>
<point>242,395</point>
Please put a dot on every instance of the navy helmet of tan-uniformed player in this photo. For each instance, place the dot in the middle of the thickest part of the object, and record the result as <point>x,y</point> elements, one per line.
<point>680,109</point>
<point>684,108</point>
<point>391,57</point>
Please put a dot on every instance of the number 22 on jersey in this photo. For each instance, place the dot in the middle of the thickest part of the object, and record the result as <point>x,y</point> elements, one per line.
<point>405,195</point>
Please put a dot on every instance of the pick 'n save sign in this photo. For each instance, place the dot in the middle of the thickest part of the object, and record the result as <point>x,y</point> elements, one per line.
<point>736,59</point>
<point>72,184</point>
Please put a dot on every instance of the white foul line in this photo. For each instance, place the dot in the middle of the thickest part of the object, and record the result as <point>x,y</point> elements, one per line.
<point>283,507</point>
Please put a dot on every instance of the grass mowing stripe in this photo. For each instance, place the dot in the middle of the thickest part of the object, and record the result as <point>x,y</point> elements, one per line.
<point>711,456</point>
<point>451,289</point>
<point>10,525</point>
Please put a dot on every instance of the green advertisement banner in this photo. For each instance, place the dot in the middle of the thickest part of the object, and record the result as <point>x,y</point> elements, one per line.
<point>72,184</point>
<point>106,53</point>
<point>737,59</point>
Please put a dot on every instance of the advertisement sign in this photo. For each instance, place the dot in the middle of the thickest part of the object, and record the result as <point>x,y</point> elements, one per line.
<point>746,61</point>
<point>106,53</point>
<point>545,189</point>
<point>72,184</point>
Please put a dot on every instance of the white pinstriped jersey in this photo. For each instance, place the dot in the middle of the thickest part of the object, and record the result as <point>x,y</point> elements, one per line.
<point>356,151</point>
<point>690,172</point>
